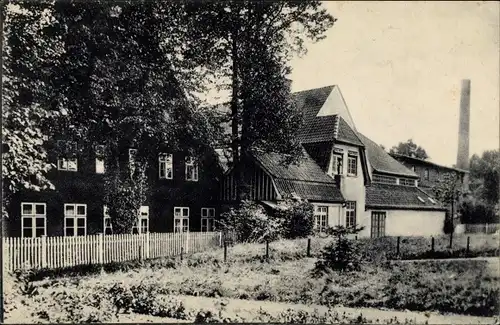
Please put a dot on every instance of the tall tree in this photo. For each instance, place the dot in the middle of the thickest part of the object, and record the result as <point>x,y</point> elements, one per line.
<point>250,43</point>
<point>409,148</point>
<point>485,176</point>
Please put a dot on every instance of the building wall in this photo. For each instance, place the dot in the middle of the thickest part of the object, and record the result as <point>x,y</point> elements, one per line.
<point>85,186</point>
<point>409,223</point>
<point>352,187</point>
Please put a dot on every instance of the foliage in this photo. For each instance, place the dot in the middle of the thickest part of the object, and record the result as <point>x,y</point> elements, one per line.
<point>409,148</point>
<point>449,191</point>
<point>342,254</point>
<point>251,223</point>
<point>476,212</point>
<point>298,218</point>
<point>485,176</point>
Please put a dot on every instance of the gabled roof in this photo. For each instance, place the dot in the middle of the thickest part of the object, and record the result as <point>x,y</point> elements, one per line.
<point>320,152</point>
<point>426,162</point>
<point>380,161</point>
<point>385,196</point>
<point>304,179</point>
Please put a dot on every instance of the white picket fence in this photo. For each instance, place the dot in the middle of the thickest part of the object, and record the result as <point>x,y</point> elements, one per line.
<point>59,251</point>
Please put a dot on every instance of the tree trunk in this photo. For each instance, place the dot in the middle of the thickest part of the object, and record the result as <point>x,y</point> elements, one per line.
<point>235,143</point>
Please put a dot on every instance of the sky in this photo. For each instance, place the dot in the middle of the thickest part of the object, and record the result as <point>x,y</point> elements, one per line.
<point>399,66</point>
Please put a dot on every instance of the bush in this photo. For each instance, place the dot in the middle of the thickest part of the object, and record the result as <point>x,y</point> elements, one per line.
<point>342,254</point>
<point>477,212</point>
<point>297,218</point>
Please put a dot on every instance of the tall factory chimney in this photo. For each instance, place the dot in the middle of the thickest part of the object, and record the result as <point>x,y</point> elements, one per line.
<point>463,127</point>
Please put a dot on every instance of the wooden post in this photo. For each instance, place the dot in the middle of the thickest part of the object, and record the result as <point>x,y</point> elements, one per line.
<point>187,241</point>
<point>432,244</point>
<point>182,252</point>
<point>267,248</point>
<point>356,237</point>
<point>100,252</point>
<point>146,253</point>
<point>468,244</point>
<point>397,246</point>
<point>43,262</point>
<point>220,238</point>
<point>451,240</point>
<point>308,247</point>
<point>225,251</point>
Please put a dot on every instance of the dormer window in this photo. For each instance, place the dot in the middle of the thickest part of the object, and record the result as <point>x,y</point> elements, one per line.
<point>337,162</point>
<point>352,163</point>
<point>191,169</point>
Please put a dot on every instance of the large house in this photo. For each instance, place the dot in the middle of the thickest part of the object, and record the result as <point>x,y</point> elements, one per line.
<point>347,177</point>
<point>180,197</point>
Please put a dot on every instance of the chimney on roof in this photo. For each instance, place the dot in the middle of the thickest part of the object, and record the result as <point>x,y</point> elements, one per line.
<point>463,127</point>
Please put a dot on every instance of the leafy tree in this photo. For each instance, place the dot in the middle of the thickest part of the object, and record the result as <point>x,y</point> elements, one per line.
<point>449,191</point>
<point>28,50</point>
<point>409,148</point>
<point>249,43</point>
<point>297,218</point>
<point>485,176</point>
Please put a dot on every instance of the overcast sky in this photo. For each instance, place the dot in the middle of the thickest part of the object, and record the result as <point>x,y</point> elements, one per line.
<point>399,66</point>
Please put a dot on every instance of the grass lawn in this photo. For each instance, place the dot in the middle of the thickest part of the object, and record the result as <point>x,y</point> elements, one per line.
<point>171,289</point>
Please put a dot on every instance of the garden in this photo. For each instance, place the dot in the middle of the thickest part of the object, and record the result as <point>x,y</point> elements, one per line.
<point>269,278</point>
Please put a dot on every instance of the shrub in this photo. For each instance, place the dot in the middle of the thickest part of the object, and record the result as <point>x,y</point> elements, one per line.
<point>474,211</point>
<point>342,254</point>
<point>251,223</point>
<point>297,218</point>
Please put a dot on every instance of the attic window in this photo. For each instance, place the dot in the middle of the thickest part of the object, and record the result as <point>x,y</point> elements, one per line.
<point>432,200</point>
<point>421,200</point>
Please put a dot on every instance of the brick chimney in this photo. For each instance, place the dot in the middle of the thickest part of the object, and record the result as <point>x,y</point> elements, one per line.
<point>463,127</point>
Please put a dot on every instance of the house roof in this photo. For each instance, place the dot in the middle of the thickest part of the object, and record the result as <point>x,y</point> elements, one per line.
<point>386,196</point>
<point>426,162</point>
<point>304,178</point>
<point>320,152</point>
<point>380,161</point>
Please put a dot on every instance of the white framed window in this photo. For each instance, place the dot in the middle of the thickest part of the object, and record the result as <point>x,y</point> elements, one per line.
<point>107,225</point>
<point>207,219</point>
<point>432,200</point>
<point>350,214</point>
<point>406,182</point>
<point>165,166</point>
<point>132,154</point>
<point>378,224</point>
<point>426,174</point>
<point>99,159</point>
<point>142,224</point>
<point>420,199</point>
<point>75,219</point>
<point>181,219</point>
<point>33,219</point>
<point>337,163</point>
<point>384,179</point>
<point>321,218</point>
<point>191,169</point>
<point>352,164</point>
<point>67,159</point>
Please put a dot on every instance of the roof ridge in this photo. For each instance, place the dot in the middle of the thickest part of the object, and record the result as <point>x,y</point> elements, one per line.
<point>316,88</point>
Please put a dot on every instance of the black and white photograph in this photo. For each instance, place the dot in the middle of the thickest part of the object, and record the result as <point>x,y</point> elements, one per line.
<point>250,161</point>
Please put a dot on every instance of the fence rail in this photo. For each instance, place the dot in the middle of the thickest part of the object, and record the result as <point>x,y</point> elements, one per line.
<point>484,228</point>
<point>58,252</point>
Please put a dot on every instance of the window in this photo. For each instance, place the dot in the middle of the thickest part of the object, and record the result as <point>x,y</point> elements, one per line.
<point>406,182</point>
<point>99,159</point>
<point>384,179</point>
<point>191,169</point>
<point>132,154</point>
<point>75,219</point>
<point>67,159</point>
<point>420,199</point>
<point>107,226</point>
<point>446,176</point>
<point>426,175</point>
<point>337,163</point>
<point>165,167</point>
<point>432,200</point>
<point>181,219</point>
<point>33,219</point>
<point>350,214</point>
<point>142,225</point>
<point>413,168</point>
<point>352,164</point>
<point>321,218</point>
<point>207,219</point>
<point>378,224</point>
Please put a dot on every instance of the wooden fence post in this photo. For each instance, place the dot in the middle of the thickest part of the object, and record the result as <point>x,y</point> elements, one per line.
<point>187,242</point>
<point>146,253</point>
<point>182,252</point>
<point>432,244</point>
<point>308,247</point>
<point>43,262</point>
<point>225,251</point>
<point>451,240</point>
<point>267,248</point>
<point>220,238</point>
<point>468,244</point>
<point>397,246</point>
<point>100,251</point>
